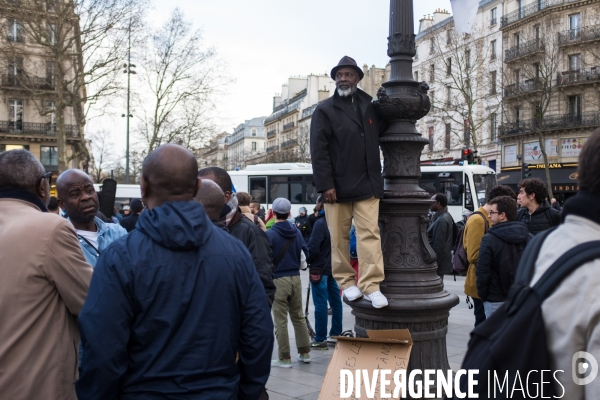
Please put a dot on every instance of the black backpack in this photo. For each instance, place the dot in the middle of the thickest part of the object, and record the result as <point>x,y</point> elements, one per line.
<point>513,340</point>
<point>460,261</point>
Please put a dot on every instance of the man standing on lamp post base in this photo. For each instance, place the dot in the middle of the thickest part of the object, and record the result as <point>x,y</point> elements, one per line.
<point>344,147</point>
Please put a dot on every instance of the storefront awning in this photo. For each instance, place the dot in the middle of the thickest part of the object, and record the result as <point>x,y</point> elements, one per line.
<point>563,179</point>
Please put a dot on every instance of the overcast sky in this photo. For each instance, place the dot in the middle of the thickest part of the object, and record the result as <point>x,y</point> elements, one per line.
<point>264,42</point>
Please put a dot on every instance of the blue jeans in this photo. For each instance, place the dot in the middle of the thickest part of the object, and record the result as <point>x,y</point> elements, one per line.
<point>491,308</point>
<point>323,291</point>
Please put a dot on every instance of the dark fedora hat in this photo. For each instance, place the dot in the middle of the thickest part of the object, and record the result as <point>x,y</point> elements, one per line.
<point>347,62</point>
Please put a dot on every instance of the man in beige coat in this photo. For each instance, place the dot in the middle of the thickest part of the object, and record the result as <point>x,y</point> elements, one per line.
<point>43,283</point>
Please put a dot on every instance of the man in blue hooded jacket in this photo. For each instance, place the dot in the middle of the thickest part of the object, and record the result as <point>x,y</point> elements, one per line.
<point>287,243</point>
<point>171,305</point>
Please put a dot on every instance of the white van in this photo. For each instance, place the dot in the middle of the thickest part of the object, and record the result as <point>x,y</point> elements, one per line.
<point>466,186</point>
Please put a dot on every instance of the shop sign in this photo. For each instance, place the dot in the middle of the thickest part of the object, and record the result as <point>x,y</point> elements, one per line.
<point>533,151</point>
<point>571,147</point>
<point>565,188</point>
<point>510,154</point>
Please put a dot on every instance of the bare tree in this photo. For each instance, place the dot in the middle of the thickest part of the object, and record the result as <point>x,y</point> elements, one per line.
<point>78,47</point>
<point>304,143</point>
<point>183,80</point>
<point>590,31</point>
<point>136,158</point>
<point>102,152</point>
<point>468,72</point>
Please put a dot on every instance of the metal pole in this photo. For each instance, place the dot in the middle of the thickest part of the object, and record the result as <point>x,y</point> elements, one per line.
<point>127,115</point>
<point>416,295</point>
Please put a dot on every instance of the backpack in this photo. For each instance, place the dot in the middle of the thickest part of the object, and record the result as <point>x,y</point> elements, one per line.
<point>455,233</point>
<point>460,261</point>
<point>512,342</point>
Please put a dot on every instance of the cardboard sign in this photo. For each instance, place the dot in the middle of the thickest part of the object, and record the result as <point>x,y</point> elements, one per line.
<point>383,350</point>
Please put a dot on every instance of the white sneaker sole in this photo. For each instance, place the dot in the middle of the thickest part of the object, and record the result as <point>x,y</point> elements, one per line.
<point>304,361</point>
<point>353,298</point>
<point>375,305</point>
<point>281,365</point>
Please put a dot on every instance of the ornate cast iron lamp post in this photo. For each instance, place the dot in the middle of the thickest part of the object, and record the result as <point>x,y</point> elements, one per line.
<point>417,300</point>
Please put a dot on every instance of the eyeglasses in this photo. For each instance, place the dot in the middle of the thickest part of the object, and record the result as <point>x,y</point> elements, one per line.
<point>494,212</point>
<point>47,175</point>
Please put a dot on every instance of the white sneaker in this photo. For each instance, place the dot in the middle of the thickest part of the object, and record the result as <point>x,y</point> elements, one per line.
<point>377,298</point>
<point>353,293</point>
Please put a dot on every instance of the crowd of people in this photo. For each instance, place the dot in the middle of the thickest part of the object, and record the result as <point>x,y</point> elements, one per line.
<point>185,296</point>
<point>151,319</point>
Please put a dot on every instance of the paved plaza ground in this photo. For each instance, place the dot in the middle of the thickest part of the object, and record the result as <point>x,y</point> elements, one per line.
<point>303,381</point>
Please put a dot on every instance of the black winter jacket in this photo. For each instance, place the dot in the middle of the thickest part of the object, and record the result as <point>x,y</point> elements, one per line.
<point>257,243</point>
<point>545,217</point>
<point>345,150</point>
<point>441,240</point>
<point>499,255</point>
<point>319,246</point>
<point>304,226</point>
<point>129,222</point>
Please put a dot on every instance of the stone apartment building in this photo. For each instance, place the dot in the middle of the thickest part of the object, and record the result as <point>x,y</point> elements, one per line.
<point>285,140</point>
<point>247,142</point>
<point>28,88</point>
<point>288,127</point>
<point>552,87</point>
<point>215,153</point>
<point>464,73</point>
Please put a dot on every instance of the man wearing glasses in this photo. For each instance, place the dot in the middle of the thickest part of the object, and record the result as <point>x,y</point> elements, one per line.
<point>478,225</point>
<point>344,147</point>
<point>44,281</point>
<point>500,252</point>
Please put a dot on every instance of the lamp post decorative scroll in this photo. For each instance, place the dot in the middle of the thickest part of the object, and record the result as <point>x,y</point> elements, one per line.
<point>416,295</point>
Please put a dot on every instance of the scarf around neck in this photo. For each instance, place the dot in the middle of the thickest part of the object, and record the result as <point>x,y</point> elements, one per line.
<point>25,195</point>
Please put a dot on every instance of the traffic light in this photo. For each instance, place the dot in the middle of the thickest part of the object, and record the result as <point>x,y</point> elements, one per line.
<point>525,172</point>
<point>467,154</point>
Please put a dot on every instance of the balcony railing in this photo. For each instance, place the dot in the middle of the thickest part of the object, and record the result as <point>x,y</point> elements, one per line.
<point>288,143</point>
<point>550,122</point>
<point>32,82</point>
<point>530,9</point>
<point>588,75</point>
<point>587,34</point>
<point>271,134</point>
<point>287,127</point>
<point>16,38</point>
<point>35,128</point>
<point>272,148</point>
<point>523,49</point>
<point>524,87</point>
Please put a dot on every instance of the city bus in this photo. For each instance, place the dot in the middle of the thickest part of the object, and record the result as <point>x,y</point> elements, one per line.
<point>465,185</point>
<point>266,182</point>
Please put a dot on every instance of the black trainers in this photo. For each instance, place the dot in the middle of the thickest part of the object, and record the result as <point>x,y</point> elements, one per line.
<point>314,345</point>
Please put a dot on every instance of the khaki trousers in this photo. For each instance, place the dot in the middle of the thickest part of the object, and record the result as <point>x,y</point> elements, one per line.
<point>288,299</point>
<point>368,243</point>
